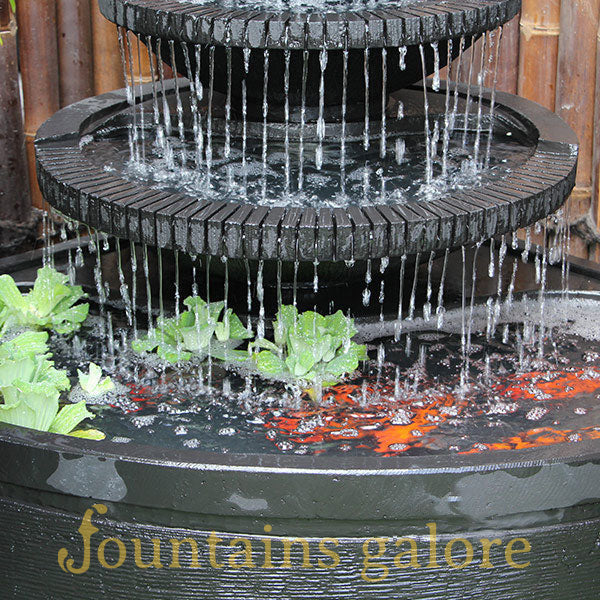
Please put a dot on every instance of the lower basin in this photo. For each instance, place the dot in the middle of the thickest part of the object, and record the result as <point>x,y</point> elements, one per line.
<point>503,503</point>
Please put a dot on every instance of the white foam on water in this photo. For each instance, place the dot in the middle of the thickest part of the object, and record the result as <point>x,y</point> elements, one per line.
<point>302,5</point>
<point>576,315</point>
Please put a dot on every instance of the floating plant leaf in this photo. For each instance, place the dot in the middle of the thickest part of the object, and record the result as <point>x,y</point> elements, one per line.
<point>30,387</point>
<point>270,363</point>
<point>69,417</point>
<point>92,383</point>
<point>51,304</point>
<point>346,362</point>
<point>310,347</point>
<point>32,405</point>
<point>204,329</point>
<point>88,434</point>
<point>32,369</point>
<point>30,343</point>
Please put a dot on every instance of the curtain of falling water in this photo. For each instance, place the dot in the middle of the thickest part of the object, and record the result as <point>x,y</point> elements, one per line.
<point>146,266</point>
<point>209,115</point>
<point>227,148</point>
<point>440,310</point>
<point>427,305</point>
<point>398,324</point>
<point>447,123</point>
<point>468,97</point>
<point>246,52</point>
<point>367,136</point>
<point>488,61</point>
<point>428,157</point>
<point>265,114</point>
<point>128,76</point>
<point>344,115</point>
<point>321,119</point>
<point>286,87</point>
<point>480,81</point>
<point>498,45</point>
<point>432,138</point>
<point>383,140</point>
<point>180,124</point>
<point>305,56</point>
<point>123,287</point>
<point>141,94</point>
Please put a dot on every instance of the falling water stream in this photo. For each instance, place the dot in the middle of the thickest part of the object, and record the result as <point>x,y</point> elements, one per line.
<point>463,356</point>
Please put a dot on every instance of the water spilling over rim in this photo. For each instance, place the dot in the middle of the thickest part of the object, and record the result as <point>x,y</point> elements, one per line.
<point>308,6</point>
<point>454,377</point>
<point>82,189</point>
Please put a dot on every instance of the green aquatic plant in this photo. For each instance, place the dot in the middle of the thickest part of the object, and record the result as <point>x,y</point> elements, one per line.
<point>50,305</point>
<point>205,329</point>
<point>30,388</point>
<point>310,347</point>
<point>92,383</point>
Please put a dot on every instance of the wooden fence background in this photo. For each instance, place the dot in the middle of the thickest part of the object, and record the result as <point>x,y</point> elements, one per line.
<point>68,51</point>
<point>551,54</point>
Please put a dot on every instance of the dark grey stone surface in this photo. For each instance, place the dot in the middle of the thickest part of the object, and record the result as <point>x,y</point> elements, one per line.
<point>421,21</point>
<point>83,191</point>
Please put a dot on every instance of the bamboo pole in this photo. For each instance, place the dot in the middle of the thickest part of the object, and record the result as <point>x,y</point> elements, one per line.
<point>108,71</point>
<point>108,67</point>
<point>596,151</point>
<point>576,77</point>
<point>508,66</point>
<point>539,31</point>
<point>38,57</point>
<point>538,55</point>
<point>15,203</point>
<point>575,90</point>
<point>75,50</point>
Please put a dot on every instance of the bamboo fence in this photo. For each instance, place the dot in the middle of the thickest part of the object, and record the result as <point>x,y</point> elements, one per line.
<point>550,54</point>
<point>68,51</point>
<point>14,184</point>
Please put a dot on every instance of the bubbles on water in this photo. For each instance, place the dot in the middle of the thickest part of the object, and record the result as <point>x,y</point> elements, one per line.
<point>143,421</point>
<point>535,414</point>
<point>302,5</point>
<point>227,431</point>
<point>192,443</point>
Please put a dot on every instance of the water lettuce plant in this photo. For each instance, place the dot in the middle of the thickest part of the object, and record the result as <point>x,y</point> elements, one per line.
<point>310,347</point>
<point>202,330</point>
<point>30,389</point>
<point>92,383</point>
<point>51,304</point>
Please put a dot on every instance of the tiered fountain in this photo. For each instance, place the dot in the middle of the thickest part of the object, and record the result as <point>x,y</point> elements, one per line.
<point>309,153</point>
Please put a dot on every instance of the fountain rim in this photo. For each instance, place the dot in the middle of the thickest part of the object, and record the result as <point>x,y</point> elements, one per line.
<point>424,22</point>
<point>82,190</point>
<point>315,489</point>
<point>202,460</point>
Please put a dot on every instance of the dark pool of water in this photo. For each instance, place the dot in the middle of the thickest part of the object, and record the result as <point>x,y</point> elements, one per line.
<point>415,396</point>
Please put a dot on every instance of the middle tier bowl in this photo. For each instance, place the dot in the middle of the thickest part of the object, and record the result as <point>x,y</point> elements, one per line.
<point>262,191</point>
